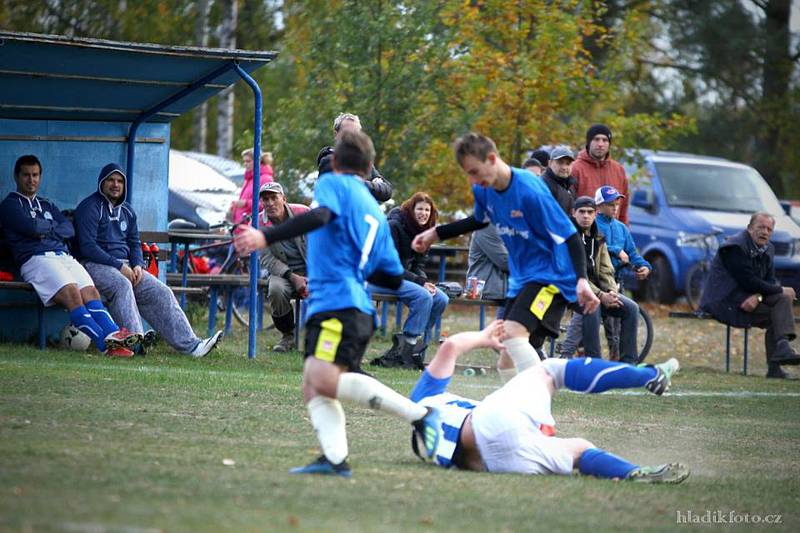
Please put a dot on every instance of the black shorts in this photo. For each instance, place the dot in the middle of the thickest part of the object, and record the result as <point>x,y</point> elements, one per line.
<point>537,307</point>
<point>339,337</point>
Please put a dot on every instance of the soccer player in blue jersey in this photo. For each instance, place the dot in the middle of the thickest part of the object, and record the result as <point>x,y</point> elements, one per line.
<point>349,244</point>
<point>546,260</point>
<point>509,431</point>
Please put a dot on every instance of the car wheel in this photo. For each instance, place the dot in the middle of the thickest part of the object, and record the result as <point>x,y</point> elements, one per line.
<point>659,285</point>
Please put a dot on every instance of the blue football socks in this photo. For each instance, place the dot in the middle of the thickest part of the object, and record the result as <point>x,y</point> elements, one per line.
<point>82,319</point>
<point>101,317</point>
<point>600,463</point>
<point>590,375</point>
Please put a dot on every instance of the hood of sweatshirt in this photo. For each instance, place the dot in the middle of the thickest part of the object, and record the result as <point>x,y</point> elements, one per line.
<point>104,174</point>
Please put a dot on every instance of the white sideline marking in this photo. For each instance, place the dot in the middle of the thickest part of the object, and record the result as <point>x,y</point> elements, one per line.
<point>476,386</point>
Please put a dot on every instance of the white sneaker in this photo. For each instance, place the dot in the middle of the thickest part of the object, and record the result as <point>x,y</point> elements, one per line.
<point>206,345</point>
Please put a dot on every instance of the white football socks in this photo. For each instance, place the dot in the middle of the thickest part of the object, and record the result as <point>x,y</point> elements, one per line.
<point>369,392</point>
<point>327,418</point>
<point>521,352</point>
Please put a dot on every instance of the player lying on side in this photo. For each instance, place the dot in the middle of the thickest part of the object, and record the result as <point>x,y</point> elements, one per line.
<point>509,431</point>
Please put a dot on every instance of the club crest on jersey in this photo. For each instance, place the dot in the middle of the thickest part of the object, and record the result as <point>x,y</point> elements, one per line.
<point>123,225</point>
<point>516,213</point>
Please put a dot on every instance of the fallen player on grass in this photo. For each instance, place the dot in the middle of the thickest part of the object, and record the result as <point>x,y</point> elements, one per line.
<point>511,429</point>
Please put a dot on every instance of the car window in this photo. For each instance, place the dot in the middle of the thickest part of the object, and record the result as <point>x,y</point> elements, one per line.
<point>716,187</point>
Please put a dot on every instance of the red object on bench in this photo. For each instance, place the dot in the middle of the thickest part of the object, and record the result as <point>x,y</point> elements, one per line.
<point>6,276</point>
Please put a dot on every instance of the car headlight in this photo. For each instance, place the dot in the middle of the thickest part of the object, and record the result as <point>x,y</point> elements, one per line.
<point>698,240</point>
<point>796,251</point>
<point>691,240</point>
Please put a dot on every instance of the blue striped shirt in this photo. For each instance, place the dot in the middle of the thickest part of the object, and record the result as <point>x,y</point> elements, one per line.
<point>453,409</point>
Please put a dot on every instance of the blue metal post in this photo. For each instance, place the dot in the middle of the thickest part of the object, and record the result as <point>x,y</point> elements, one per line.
<point>251,347</point>
<point>212,310</point>
<point>184,273</point>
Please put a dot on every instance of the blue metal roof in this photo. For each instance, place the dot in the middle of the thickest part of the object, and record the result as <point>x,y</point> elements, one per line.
<point>52,77</point>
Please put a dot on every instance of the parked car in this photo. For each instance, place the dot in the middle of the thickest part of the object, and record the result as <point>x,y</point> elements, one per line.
<point>683,206</point>
<point>198,193</point>
<point>229,168</point>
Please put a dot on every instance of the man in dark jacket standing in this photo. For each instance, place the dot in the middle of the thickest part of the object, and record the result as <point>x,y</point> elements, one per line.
<point>378,186</point>
<point>108,239</point>
<point>557,178</point>
<point>741,290</point>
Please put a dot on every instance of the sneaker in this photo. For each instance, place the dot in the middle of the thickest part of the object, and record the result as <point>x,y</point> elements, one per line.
<point>206,345</point>
<point>150,338</point>
<point>286,343</point>
<point>428,430</point>
<point>119,352</point>
<point>664,371</point>
<point>122,338</point>
<point>670,473</point>
<point>325,468</point>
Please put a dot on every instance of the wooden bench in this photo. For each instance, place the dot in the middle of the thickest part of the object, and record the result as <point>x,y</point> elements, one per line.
<point>212,283</point>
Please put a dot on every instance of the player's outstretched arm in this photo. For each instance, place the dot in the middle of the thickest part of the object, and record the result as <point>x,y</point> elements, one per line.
<point>444,362</point>
<point>423,241</point>
<point>246,239</point>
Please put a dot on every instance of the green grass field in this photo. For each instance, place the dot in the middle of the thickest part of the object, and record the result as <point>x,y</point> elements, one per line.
<point>92,444</point>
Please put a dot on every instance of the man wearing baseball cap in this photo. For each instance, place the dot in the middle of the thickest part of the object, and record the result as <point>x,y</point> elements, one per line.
<point>600,274</point>
<point>558,179</point>
<point>595,168</point>
<point>285,261</point>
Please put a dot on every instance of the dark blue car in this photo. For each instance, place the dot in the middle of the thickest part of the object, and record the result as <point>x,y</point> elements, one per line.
<point>683,206</point>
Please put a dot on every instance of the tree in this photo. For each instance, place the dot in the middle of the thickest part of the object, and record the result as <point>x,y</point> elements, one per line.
<point>225,99</point>
<point>731,64</point>
<point>200,122</point>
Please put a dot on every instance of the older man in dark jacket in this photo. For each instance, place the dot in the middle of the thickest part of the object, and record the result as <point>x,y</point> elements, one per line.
<point>742,291</point>
<point>558,179</point>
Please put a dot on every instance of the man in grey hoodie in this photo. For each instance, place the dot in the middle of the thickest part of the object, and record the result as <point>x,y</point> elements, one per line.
<point>108,240</point>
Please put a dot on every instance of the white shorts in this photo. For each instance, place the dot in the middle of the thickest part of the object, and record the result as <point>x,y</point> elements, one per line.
<point>506,426</point>
<point>49,273</point>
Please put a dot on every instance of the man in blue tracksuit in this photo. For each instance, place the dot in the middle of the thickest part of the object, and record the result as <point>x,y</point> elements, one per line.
<point>37,234</point>
<point>108,239</point>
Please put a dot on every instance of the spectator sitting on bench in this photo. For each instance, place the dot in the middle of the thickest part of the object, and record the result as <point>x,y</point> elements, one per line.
<point>600,274</point>
<point>37,234</point>
<point>285,261</point>
<point>425,301</point>
<point>109,246</point>
<point>741,290</point>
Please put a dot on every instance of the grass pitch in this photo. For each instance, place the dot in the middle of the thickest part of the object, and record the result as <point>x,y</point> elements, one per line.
<point>91,444</point>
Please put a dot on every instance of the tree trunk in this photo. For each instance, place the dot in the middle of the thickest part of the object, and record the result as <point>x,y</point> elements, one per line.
<point>200,117</point>
<point>776,80</point>
<point>227,39</point>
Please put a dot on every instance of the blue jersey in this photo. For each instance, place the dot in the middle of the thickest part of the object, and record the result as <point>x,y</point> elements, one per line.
<point>453,409</point>
<point>343,253</point>
<point>534,228</point>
